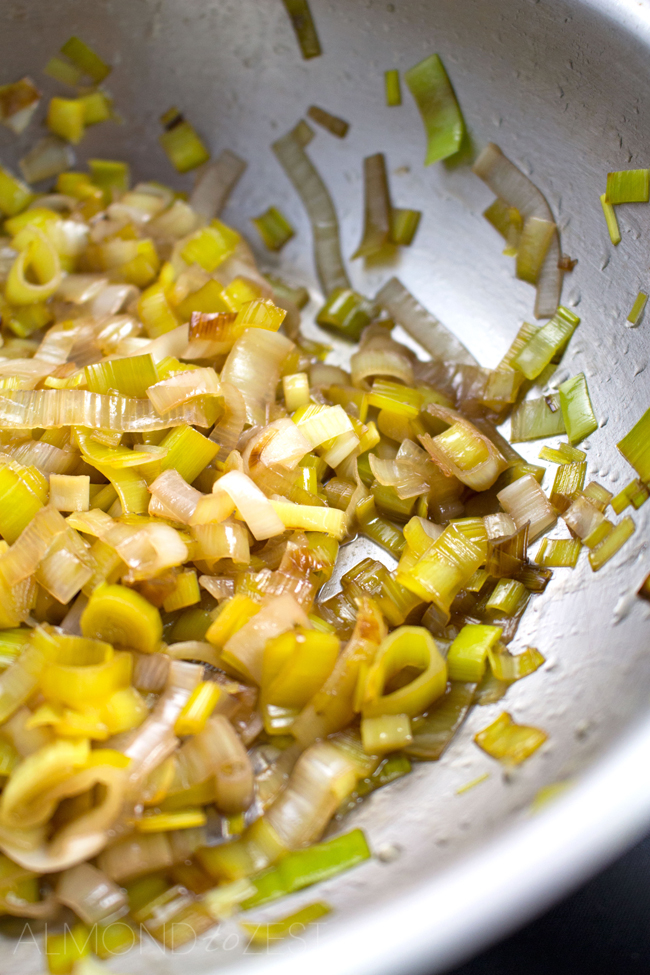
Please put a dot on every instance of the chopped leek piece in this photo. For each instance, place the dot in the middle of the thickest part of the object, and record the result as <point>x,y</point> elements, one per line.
<point>468,653</point>
<point>317,201</point>
<point>63,71</point>
<point>97,107</point>
<point>507,599</point>
<point>433,731</point>
<point>562,454</point>
<point>535,418</point>
<point>435,98</point>
<point>109,175</point>
<point>635,447</point>
<point>405,647</point>
<point>404,225</point>
<point>545,343</point>
<point>525,501</point>
<point>636,311</point>
<point>337,126</point>
<point>391,768</point>
<point>509,742</point>
<point>65,117</point>
<point>122,616</point>
<point>628,186</point>
<point>534,242</point>
<point>274,228</point>
<point>610,219</point>
<point>508,221</point>
<point>559,552</point>
<point>87,60</point>
<point>635,493</point>
<point>183,146</point>
<point>346,312</point>
<point>304,27</point>
<point>306,867</point>
<point>576,408</point>
<point>509,668</point>
<point>264,935</point>
<point>611,544</point>
<point>70,492</point>
<point>295,387</point>
<point>393,87</point>
<point>569,482</point>
<point>385,733</point>
<point>377,207</point>
<point>14,195</point>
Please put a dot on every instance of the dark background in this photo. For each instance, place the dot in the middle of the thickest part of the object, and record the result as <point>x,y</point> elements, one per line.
<point>602,929</point>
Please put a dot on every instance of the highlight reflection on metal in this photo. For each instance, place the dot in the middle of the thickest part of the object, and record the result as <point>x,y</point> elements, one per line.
<point>561,86</point>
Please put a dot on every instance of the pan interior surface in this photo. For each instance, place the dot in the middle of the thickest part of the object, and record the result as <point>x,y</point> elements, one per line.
<point>563,88</point>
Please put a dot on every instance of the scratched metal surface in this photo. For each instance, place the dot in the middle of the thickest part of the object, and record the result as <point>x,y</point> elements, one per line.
<point>563,87</point>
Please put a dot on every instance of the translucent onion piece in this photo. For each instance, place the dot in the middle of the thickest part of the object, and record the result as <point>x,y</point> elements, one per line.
<point>214,184</point>
<point>508,183</point>
<point>253,367</point>
<point>421,325</point>
<point>318,203</point>
<point>525,501</point>
<point>79,288</point>
<point>48,408</point>
<point>377,206</point>
<point>463,451</point>
<point>90,894</point>
<point>245,649</point>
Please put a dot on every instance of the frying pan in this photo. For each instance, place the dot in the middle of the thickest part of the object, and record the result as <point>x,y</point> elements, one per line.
<point>563,86</point>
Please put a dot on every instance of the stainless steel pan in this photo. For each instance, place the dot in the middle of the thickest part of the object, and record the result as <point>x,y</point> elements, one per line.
<point>564,88</point>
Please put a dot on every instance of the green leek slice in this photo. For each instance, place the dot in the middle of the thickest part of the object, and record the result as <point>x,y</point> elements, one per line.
<point>635,447</point>
<point>440,111</point>
<point>511,743</point>
<point>611,221</point>
<point>628,186</point>
<point>576,408</point>
<point>393,88</point>
<point>637,309</point>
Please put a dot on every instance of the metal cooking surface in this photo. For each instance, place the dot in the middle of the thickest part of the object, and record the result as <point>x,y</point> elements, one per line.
<point>563,90</point>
